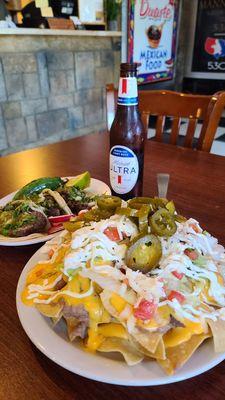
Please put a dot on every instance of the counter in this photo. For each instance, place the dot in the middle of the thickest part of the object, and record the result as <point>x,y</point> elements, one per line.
<point>59,32</point>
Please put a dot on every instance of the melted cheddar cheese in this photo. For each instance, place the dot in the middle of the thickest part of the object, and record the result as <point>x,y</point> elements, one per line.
<point>179,335</point>
<point>205,291</point>
<point>118,302</point>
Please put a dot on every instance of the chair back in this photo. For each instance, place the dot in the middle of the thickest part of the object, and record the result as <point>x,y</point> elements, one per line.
<point>163,103</point>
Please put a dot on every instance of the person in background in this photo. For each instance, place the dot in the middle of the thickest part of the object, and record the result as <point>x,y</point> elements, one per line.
<point>32,17</point>
<point>5,18</point>
<point>3,11</point>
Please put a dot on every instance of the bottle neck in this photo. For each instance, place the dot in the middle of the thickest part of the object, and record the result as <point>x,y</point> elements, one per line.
<point>127,93</point>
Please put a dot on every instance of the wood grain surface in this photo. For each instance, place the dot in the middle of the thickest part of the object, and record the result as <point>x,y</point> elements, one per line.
<point>197,186</point>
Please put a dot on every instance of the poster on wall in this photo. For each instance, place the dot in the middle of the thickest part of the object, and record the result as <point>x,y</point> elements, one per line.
<point>209,47</point>
<point>152,31</point>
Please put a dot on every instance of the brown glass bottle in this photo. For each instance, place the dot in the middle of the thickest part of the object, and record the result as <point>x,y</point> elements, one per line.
<point>127,136</point>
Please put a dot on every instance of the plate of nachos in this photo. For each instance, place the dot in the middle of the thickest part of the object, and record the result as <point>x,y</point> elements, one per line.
<point>130,293</point>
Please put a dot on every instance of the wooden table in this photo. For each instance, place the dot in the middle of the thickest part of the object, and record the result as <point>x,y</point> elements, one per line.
<point>198,187</point>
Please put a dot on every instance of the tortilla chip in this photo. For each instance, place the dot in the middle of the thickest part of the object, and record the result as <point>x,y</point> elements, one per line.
<point>105,298</point>
<point>52,310</point>
<point>177,356</point>
<point>218,332</point>
<point>148,340</point>
<point>160,352</point>
<point>177,336</point>
<point>131,355</point>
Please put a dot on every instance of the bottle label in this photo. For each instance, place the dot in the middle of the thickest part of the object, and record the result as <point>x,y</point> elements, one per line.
<point>127,93</point>
<point>124,169</point>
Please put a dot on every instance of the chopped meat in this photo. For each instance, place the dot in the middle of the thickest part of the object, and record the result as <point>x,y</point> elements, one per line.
<point>60,285</point>
<point>38,224</point>
<point>175,323</point>
<point>75,205</point>
<point>53,212</point>
<point>77,319</point>
<point>52,209</point>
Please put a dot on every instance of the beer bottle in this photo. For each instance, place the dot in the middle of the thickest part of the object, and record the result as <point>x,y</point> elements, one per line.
<point>127,136</point>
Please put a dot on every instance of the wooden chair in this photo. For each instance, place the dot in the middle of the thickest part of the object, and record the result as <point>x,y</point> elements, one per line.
<point>164,103</point>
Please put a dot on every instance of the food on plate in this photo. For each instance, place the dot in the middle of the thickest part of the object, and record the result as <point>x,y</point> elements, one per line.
<point>134,278</point>
<point>37,186</point>
<point>22,218</point>
<point>44,204</point>
<point>81,181</point>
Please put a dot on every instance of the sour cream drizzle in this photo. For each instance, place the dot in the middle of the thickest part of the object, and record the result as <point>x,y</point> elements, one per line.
<point>100,259</point>
<point>91,243</point>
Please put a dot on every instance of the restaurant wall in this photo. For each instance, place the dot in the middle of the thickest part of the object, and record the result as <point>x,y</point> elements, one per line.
<point>53,88</point>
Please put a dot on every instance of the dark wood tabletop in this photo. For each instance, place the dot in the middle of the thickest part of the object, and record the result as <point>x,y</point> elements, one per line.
<point>197,185</point>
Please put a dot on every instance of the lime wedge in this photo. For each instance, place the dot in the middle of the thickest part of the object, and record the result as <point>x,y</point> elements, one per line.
<point>80,181</point>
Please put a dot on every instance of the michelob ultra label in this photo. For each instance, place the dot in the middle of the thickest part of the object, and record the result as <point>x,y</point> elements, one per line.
<point>127,93</point>
<point>124,169</point>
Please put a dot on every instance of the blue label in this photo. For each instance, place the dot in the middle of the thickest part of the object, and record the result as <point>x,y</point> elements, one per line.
<point>128,101</point>
<point>121,152</point>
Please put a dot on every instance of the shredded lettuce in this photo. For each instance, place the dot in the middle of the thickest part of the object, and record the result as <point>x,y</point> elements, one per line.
<point>72,272</point>
<point>201,261</point>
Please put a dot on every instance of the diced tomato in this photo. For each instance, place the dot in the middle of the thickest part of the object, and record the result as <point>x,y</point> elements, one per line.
<point>126,281</point>
<point>164,285</point>
<point>112,233</point>
<point>60,219</point>
<point>145,310</point>
<point>55,229</point>
<point>176,295</point>
<point>178,275</point>
<point>50,253</point>
<point>195,228</point>
<point>165,288</point>
<point>192,254</point>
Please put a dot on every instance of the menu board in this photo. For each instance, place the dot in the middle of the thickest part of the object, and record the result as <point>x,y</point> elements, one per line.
<point>152,31</point>
<point>209,47</point>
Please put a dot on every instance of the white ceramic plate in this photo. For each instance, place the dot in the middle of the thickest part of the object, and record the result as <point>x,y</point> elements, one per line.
<point>96,186</point>
<point>111,369</point>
